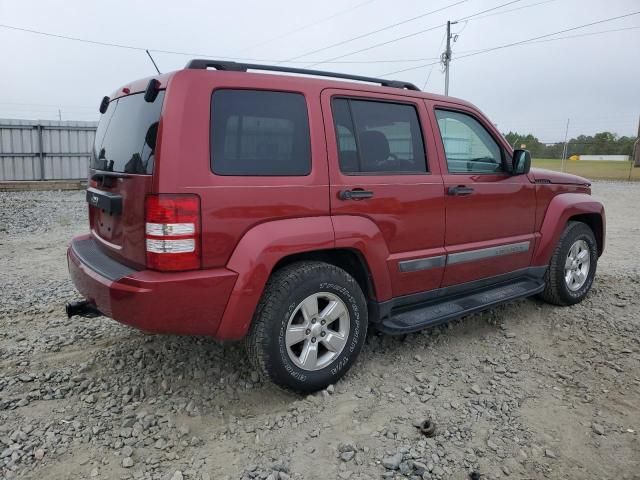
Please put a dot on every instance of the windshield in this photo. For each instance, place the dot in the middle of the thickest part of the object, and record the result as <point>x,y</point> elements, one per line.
<point>126,135</point>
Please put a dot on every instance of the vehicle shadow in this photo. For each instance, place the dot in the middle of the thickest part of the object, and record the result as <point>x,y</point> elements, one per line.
<point>189,375</point>
<point>199,376</point>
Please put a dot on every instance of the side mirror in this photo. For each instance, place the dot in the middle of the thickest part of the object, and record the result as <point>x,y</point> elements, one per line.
<point>521,162</point>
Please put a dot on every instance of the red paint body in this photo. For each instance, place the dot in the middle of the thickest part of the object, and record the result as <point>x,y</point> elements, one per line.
<point>250,224</point>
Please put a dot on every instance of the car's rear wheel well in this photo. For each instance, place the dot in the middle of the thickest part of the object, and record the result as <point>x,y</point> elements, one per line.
<point>349,260</point>
<point>594,222</point>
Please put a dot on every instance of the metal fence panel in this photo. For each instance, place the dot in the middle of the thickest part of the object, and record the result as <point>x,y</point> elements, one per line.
<point>45,149</point>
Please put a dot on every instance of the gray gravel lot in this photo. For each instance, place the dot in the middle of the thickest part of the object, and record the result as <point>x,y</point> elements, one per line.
<point>523,391</point>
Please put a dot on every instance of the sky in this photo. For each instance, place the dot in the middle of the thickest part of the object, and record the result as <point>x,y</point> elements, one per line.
<point>591,80</point>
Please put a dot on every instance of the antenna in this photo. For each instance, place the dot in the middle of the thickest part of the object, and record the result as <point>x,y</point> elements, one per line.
<point>153,61</point>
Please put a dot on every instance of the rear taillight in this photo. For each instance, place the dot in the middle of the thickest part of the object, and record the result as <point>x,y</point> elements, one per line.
<point>172,232</point>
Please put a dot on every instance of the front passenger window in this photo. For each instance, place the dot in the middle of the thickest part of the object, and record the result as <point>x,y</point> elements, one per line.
<point>467,144</point>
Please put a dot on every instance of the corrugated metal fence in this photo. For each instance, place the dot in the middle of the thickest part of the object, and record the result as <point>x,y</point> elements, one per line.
<point>45,150</point>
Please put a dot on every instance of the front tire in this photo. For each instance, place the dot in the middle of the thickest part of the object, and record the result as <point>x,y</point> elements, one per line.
<point>309,327</point>
<point>573,266</point>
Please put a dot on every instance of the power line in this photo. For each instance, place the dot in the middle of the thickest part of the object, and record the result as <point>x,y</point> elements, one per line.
<point>190,54</point>
<point>53,113</point>
<point>404,60</point>
<point>308,25</point>
<point>95,42</point>
<point>120,45</point>
<point>511,10</point>
<point>551,124</point>
<point>466,21</point>
<point>431,69</point>
<point>476,17</point>
<point>521,42</point>
<point>513,44</point>
<point>333,61</point>
<point>579,125</point>
<point>336,61</point>
<point>47,105</point>
<point>373,32</point>
<point>397,39</point>
<point>567,36</point>
<point>420,32</point>
<point>572,141</point>
<point>389,60</point>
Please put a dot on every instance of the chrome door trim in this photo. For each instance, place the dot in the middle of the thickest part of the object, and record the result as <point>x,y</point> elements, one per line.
<point>422,263</point>
<point>426,263</point>
<point>482,253</point>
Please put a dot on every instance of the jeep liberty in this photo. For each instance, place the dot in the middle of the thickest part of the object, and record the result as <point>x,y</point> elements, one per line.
<point>296,213</point>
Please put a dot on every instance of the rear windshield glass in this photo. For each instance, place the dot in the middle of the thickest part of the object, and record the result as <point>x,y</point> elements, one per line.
<point>126,136</point>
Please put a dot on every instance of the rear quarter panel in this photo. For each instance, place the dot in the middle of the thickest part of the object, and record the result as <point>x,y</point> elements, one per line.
<point>233,205</point>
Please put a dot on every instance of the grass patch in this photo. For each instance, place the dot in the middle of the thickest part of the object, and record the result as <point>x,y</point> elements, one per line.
<point>596,170</point>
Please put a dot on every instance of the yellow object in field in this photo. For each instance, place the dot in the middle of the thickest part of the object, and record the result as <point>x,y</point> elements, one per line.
<point>574,157</point>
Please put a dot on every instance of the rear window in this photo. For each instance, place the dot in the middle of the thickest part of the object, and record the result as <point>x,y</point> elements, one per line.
<point>256,132</point>
<point>126,135</point>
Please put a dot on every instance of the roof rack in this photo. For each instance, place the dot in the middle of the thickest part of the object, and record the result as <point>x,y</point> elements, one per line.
<point>200,64</point>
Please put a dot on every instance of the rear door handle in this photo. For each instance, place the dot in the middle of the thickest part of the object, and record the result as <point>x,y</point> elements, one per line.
<point>355,194</point>
<point>460,191</point>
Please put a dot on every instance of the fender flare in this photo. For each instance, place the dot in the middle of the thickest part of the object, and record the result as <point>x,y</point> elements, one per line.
<point>561,209</point>
<point>263,246</point>
<point>254,257</point>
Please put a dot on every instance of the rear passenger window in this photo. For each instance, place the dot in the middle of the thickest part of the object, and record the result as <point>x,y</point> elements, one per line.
<point>255,132</point>
<point>378,137</point>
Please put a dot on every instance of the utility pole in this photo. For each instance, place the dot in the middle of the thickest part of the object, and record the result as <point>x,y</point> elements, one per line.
<point>446,58</point>
<point>565,149</point>
<point>636,149</point>
<point>59,114</point>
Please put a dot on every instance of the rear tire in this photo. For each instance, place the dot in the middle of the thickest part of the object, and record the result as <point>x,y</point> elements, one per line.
<point>294,339</point>
<point>573,266</point>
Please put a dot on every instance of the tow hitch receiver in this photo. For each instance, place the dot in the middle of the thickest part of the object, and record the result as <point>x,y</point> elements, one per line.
<point>83,308</point>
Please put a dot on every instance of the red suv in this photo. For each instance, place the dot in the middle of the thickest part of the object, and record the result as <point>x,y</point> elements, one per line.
<point>298,212</point>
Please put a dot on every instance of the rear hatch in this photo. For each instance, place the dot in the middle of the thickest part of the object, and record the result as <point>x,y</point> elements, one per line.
<point>121,175</point>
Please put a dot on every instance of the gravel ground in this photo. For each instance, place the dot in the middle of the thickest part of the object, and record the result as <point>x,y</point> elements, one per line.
<point>526,390</point>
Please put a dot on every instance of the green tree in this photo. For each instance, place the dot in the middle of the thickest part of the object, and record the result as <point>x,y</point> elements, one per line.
<point>530,141</point>
<point>601,143</point>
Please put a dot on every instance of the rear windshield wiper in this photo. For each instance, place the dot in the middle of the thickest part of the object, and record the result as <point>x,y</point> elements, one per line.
<point>105,178</point>
<point>101,174</point>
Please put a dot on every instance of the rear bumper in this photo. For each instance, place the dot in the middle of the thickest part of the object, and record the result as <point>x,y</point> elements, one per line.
<point>189,303</point>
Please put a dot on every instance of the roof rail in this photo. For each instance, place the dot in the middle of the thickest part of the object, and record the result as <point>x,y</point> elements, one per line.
<point>200,64</point>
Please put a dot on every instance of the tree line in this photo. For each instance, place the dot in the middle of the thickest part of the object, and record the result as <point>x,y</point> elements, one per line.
<point>603,143</point>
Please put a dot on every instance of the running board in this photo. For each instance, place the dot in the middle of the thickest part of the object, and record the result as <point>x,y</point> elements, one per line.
<point>416,317</point>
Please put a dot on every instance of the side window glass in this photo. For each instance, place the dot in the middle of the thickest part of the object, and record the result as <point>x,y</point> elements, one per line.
<point>467,144</point>
<point>255,132</point>
<point>378,137</point>
<point>347,145</point>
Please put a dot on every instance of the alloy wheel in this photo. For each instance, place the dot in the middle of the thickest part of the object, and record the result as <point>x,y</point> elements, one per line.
<point>317,331</point>
<point>576,266</point>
